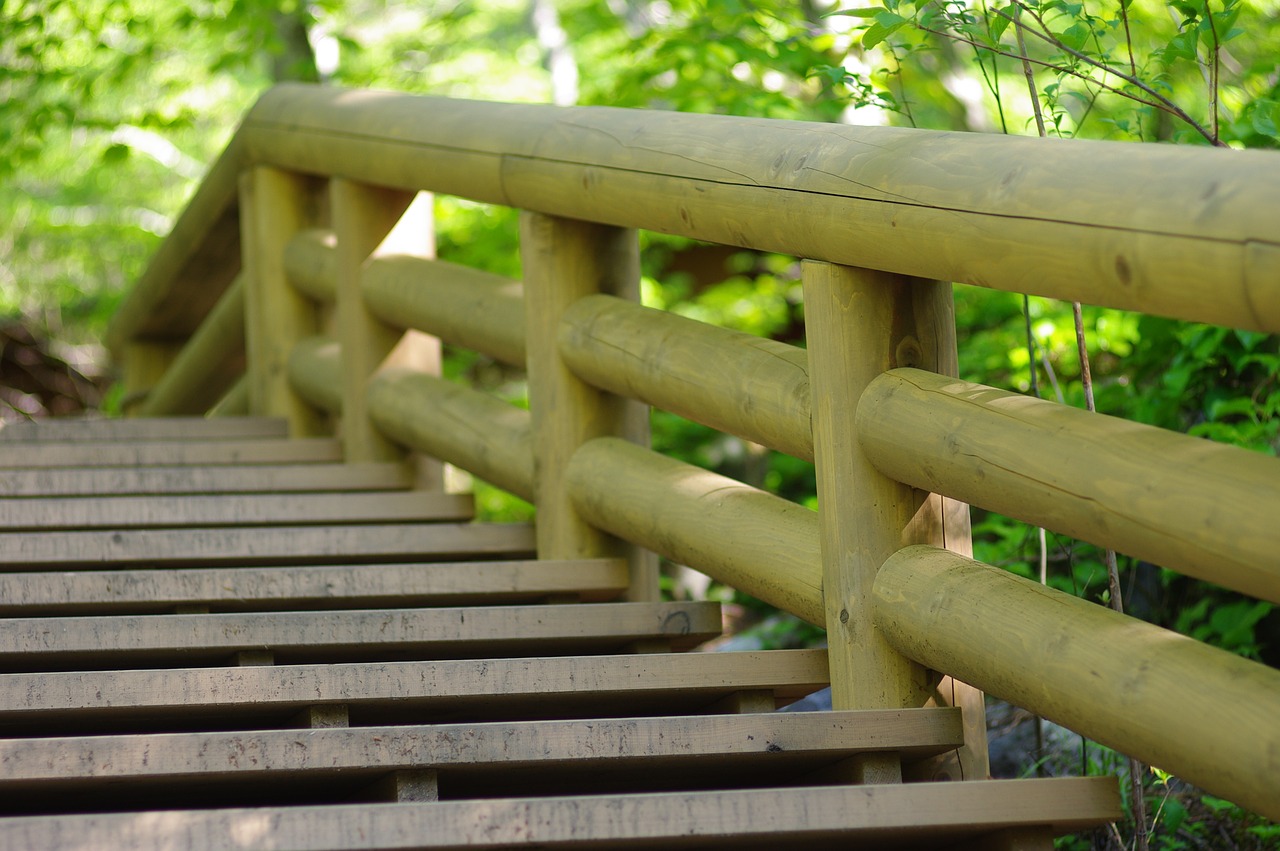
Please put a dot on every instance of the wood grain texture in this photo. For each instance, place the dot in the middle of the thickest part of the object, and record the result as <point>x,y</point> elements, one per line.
<point>369,221</point>
<point>903,816</point>
<point>565,260</point>
<point>661,745</point>
<point>208,364</point>
<point>274,206</point>
<point>148,512</point>
<point>310,587</point>
<point>461,426</point>
<point>940,206</point>
<point>567,686</point>
<point>1191,505</point>
<point>83,454</point>
<point>860,324</point>
<point>755,388</point>
<point>466,307</point>
<point>67,643</point>
<point>195,479</point>
<point>270,545</point>
<point>742,536</point>
<point>1201,713</point>
<point>70,429</point>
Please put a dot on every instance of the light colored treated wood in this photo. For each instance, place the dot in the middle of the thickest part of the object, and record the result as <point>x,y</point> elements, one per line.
<point>167,452</point>
<point>664,744</point>
<point>297,637</point>
<point>311,262</point>
<point>940,206</point>
<point>315,372</point>
<point>235,402</point>
<point>370,221</point>
<point>460,426</point>
<point>513,688</point>
<point>1198,712</point>
<point>1204,509</point>
<point>283,588</point>
<point>208,364</point>
<point>737,534</point>
<point>67,430</point>
<point>328,717</point>
<point>258,478</point>
<point>746,385</point>
<point>134,512</point>
<point>143,365</point>
<point>408,787</point>
<point>886,817</point>
<point>271,545</point>
<point>466,307</point>
<point>859,324</point>
<point>566,260</point>
<point>275,205</point>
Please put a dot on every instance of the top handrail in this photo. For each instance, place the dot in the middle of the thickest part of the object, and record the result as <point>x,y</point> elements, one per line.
<point>1055,218</point>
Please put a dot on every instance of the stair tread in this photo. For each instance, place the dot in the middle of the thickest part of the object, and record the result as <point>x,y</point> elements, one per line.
<point>129,512</point>
<point>898,816</point>
<point>150,428</point>
<point>323,586</point>
<point>779,741</point>
<point>278,544</point>
<point>197,479</point>
<point>76,453</point>
<point>511,689</point>
<point>31,644</point>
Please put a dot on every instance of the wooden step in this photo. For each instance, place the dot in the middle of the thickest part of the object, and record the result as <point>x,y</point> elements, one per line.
<point>365,586</point>
<point>527,757</point>
<point>77,643</point>
<point>387,692</point>
<point>20,455</point>
<point>919,815</point>
<point>264,478</point>
<point>153,428</point>
<point>135,512</point>
<point>271,545</point>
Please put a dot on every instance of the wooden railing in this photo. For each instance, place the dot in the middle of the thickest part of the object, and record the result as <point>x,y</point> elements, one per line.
<point>294,251</point>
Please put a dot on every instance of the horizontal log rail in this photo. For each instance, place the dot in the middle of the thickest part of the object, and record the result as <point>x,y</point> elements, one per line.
<point>895,440</point>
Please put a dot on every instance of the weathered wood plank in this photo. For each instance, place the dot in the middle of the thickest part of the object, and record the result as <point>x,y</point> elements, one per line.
<point>264,478</point>
<point>778,744</point>
<point>144,429</point>
<point>168,452</point>
<point>512,689</point>
<point>284,588</point>
<point>271,545</point>
<point>132,512</point>
<point>900,816</point>
<point>34,644</point>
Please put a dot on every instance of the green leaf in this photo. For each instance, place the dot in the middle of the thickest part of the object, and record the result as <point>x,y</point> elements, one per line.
<point>1076,36</point>
<point>877,33</point>
<point>853,13</point>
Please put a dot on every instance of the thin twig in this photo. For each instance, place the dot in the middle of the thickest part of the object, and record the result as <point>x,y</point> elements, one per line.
<point>1215,65</point>
<point>1027,72</point>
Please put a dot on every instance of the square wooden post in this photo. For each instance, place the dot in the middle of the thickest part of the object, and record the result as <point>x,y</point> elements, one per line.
<point>861,323</point>
<point>372,221</point>
<point>275,205</point>
<point>565,260</point>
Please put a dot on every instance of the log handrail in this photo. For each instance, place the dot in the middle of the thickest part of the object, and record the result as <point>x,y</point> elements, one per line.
<point>1103,223</point>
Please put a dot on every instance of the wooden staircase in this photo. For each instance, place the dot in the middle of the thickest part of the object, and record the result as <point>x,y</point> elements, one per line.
<point>213,636</point>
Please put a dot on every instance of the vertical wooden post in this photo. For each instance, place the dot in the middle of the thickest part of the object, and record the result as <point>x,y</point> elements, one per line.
<point>144,364</point>
<point>274,205</point>
<point>565,260</point>
<point>861,323</point>
<point>371,221</point>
